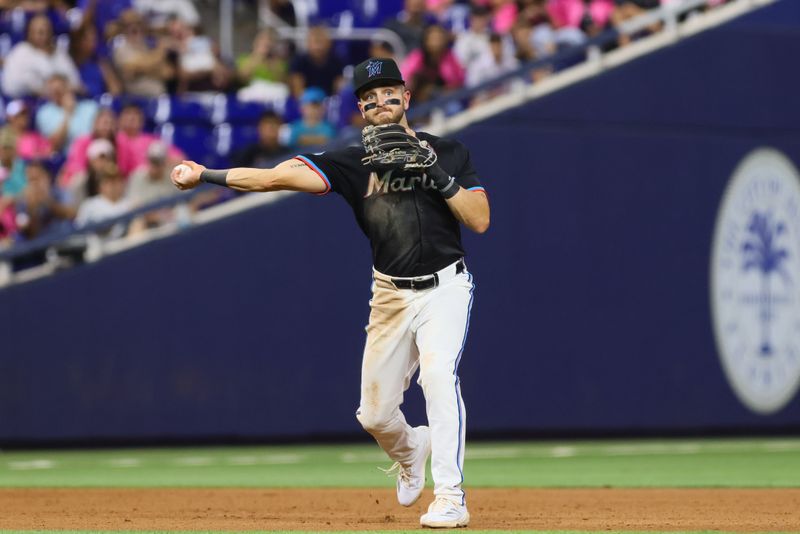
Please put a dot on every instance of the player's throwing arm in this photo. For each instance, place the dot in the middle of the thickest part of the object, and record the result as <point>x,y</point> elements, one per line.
<point>291,175</point>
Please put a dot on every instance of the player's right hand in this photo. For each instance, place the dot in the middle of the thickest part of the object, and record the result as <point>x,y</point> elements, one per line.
<point>184,178</point>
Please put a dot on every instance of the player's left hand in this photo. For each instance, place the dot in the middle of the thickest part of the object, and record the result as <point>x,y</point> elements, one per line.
<point>393,146</point>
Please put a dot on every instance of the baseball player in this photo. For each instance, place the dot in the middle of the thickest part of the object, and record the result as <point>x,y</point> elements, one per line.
<point>409,192</point>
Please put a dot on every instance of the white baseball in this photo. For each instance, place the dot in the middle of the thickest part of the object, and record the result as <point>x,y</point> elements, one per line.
<point>181,170</point>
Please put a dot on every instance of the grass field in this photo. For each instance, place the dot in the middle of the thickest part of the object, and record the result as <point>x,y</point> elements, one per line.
<point>749,463</point>
<point>708,463</point>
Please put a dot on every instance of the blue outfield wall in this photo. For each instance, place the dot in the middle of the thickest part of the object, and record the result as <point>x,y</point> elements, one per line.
<point>592,302</point>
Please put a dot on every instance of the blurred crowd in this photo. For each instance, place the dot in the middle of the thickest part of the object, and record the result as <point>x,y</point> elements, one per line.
<point>78,144</point>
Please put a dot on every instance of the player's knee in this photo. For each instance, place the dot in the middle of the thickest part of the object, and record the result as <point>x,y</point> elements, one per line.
<point>372,420</point>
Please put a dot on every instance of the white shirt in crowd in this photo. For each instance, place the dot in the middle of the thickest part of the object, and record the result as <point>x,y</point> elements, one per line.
<point>487,67</point>
<point>469,46</point>
<point>26,69</point>
<point>99,208</point>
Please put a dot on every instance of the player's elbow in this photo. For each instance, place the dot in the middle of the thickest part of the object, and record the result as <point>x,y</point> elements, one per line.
<point>478,226</point>
<point>481,225</point>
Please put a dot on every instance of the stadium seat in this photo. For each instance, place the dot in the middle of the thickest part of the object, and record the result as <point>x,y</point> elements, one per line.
<point>189,111</point>
<point>194,139</point>
<point>244,112</point>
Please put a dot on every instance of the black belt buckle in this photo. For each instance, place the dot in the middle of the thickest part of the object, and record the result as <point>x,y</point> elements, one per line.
<point>417,284</point>
<point>429,282</point>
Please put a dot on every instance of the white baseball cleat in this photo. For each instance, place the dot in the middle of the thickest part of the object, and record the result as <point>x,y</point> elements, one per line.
<point>445,513</point>
<point>411,478</point>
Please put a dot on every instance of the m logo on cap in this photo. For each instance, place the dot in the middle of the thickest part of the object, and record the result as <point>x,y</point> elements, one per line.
<point>374,68</point>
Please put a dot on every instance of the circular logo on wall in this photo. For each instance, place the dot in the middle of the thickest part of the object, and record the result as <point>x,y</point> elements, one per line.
<point>755,281</point>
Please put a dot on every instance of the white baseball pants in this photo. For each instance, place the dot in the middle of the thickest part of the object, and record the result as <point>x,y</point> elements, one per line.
<point>426,329</point>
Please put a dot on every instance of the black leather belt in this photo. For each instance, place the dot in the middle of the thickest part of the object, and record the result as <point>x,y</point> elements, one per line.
<point>424,282</point>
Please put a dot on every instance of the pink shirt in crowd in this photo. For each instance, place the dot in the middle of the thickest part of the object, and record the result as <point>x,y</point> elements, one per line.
<point>78,160</point>
<point>504,18</point>
<point>133,150</point>
<point>450,69</point>
<point>570,12</point>
<point>8,223</point>
<point>33,145</point>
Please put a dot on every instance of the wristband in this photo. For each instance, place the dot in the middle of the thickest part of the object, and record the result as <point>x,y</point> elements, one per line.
<point>212,176</point>
<point>450,190</point>
<point>445,184</point>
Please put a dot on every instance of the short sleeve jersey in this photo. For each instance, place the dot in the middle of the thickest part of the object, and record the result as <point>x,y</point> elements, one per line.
<point>409,225</point>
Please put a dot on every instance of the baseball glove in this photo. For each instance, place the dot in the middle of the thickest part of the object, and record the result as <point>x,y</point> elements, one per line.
<point>390,146</point>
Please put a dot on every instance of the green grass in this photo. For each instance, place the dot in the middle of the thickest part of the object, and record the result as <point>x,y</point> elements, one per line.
<point>639,463</point>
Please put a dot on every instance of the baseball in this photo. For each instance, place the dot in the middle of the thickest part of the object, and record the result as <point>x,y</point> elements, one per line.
<point>181,170</point>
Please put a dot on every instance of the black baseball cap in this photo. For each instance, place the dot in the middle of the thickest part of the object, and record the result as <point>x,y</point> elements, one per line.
<point>376,72</point>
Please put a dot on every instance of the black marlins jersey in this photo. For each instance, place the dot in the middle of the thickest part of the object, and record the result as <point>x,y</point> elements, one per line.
<point>409,225</point>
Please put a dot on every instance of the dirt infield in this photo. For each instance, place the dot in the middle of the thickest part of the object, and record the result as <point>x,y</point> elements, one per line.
<point>744,510</point>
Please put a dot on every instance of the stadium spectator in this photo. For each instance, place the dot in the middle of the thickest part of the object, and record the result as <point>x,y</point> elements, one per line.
<point>32,62</point>
<point>264,70</point>
<point>199,67</point>
<point>109,202</point>
<point>96,72</point>
<point>473,43</point>
<point>63,118</point>
<point>12,168</point>
<point>144,65</point>
<point>150,181</point>
<point>522,36</point>
<point>318,67</point>
<point>432,69</point>
<point>40,208</point>
<point>266,60</point>
<point>104,127</point>
<point>133,141</point>
<point>497,60</point>
<point>410,23</point>
<point>544,37</point>
<point>100,154</point>
<point>525,51</point>
<point>269,146</point>
<point>103,14</point>
<point>311,129</point>
<point>29,143</point>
